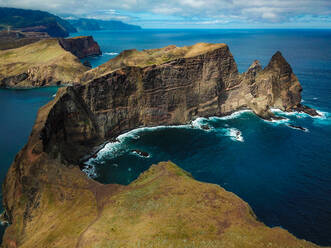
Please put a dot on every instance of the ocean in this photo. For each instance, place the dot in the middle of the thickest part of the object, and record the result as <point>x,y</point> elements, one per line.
<point>282,172</point>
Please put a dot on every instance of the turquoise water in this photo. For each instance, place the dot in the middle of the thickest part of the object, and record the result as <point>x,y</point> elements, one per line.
<point>283,173</point>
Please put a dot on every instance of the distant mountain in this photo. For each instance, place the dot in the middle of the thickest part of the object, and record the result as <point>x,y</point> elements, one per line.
<point>34,21</point>
<point>94,24</point>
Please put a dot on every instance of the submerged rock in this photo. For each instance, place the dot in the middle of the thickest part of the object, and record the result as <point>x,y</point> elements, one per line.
<point>141,153</point>
<point>298,127</point>
<point>205,127</point>
<point>306,109</point>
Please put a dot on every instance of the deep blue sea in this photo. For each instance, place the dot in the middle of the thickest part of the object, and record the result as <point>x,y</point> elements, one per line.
<point>283,173</point>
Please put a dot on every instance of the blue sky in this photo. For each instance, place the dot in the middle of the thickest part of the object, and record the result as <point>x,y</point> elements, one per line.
<point>193,13</point>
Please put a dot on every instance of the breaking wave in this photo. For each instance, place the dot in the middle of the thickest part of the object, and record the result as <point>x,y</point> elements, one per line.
<point>110,53</point>
<point>119,147</point>
<point>234,115</point>
<point>235,134</point>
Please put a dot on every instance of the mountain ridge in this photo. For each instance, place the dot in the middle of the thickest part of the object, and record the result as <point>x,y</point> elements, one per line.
<point>88,24</point>
<point>27,20</point>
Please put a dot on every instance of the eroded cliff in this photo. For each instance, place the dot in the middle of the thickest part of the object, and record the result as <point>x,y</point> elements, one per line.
<point>42,63</point>
<point>45,63</point>
<point>51,203</point>
<point>81,46</point>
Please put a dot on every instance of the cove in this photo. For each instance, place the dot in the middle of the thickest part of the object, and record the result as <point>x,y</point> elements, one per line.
<point>282,172</point>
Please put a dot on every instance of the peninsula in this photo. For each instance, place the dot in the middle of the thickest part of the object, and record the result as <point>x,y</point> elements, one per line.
<point>50,202</point>
<point>46,62</point>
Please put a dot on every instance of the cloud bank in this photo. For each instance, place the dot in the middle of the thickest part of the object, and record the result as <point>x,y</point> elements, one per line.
<point>191,13</point>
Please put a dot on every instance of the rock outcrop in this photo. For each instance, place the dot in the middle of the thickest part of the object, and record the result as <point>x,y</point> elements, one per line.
<point>51,203</point>
<point>82,46</point>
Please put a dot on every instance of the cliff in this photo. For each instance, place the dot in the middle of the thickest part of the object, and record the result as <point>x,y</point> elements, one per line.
<point>82,46</point>
<point>42,63</point>
<point>51,203</point>
<point>34,21</point>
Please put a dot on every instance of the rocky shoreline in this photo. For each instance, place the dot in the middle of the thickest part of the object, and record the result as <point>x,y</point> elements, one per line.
<point>167,86</point>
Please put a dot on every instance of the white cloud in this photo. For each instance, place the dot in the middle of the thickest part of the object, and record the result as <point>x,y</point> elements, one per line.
<point>269,15</point>
<point>194,11</point>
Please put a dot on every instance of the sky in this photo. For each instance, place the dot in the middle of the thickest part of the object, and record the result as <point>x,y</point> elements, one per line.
<point>192,13</point>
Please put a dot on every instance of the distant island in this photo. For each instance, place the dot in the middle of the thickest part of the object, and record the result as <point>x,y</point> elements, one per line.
<point>34,21</point>
<point>83,24</point>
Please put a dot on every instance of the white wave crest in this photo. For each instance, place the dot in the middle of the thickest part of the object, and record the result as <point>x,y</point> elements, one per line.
<point>292,113</point>
<point>277,122</point>
<point>201,123</point>
<point>90,170</point>
<point>323,119</point>
<point>235,134</point>
<point>323,116</point>
<point>232,116</point>
<point>110,53</point>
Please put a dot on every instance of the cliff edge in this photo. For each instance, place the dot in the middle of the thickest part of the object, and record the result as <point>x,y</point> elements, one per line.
<point>45,63</point>
<point>81,46</point>
<point>51,203</point>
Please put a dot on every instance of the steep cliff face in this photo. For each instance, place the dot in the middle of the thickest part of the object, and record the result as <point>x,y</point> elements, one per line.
<point>82,46</point>
<point>42,63</point>
<point>167,86</point>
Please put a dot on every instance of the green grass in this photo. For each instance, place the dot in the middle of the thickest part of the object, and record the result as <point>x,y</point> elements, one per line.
<point>151,57</point>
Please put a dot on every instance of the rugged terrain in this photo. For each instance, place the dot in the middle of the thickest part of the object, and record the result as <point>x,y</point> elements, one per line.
<point>46,62</point>
<point>81,46</point>
<point>51,203</point>
<point>26,20</point>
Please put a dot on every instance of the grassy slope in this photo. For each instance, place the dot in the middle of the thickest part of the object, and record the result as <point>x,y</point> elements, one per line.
<point>164,207</point>
<point>21,18</point>
<point>47,57</point>
<point>150,57</point>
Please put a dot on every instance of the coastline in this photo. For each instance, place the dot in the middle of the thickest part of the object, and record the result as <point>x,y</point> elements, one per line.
<point>198,123</point>
<point>102,145</point>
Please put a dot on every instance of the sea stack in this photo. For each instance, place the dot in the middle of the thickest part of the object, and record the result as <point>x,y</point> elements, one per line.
<point>81,46</point>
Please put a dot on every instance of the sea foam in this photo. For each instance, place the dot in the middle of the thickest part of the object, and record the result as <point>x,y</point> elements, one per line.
<point>234,115</point>
<point>118,147</point>
<point>235,134</point>
<point>110,53</point>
